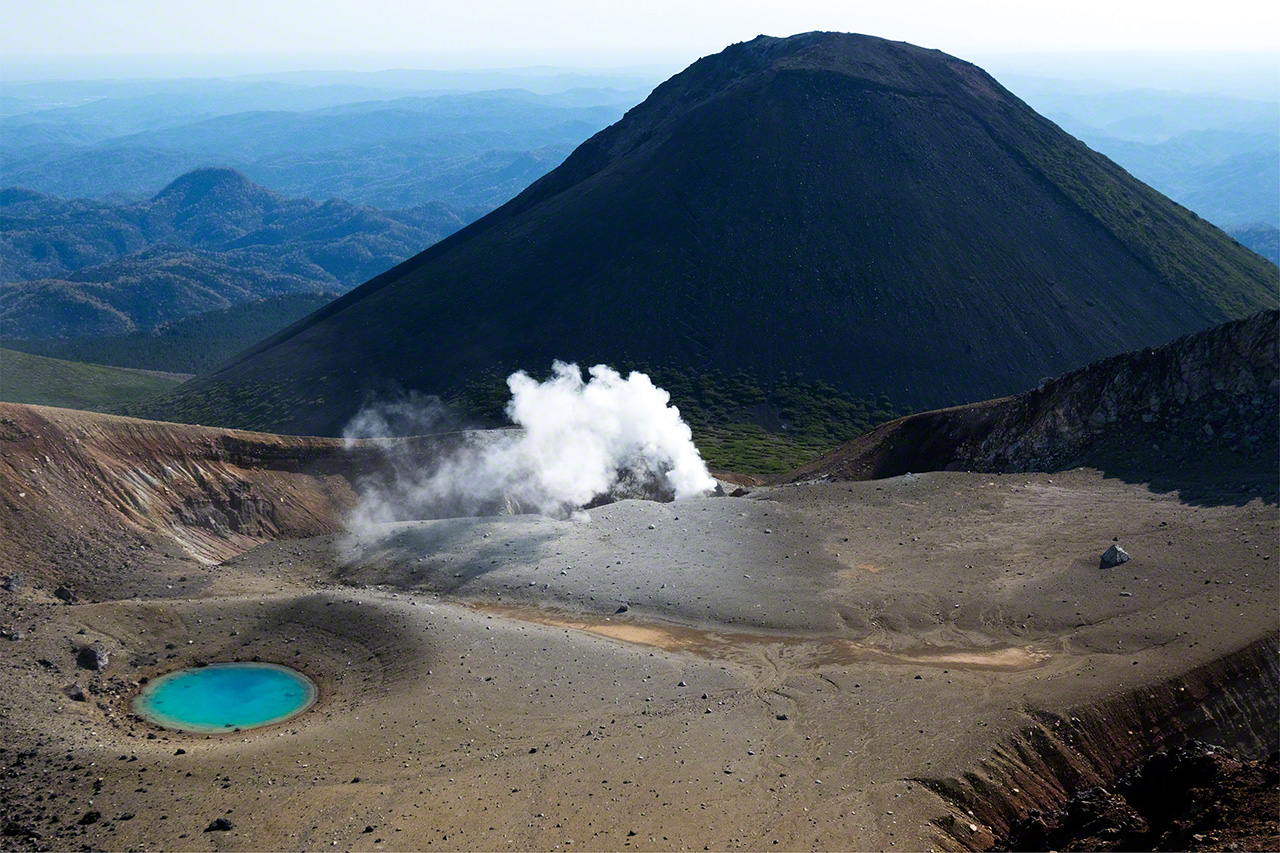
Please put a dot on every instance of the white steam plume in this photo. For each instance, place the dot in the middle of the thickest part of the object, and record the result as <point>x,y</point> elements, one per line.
<point>579,442</point>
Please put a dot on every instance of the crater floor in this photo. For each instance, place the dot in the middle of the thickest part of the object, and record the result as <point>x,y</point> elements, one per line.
<point>815,666</point>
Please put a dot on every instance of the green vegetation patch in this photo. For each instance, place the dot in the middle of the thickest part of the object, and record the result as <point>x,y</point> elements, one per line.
<point>34,379</point>
<point>740,423</point>
<point>193,344</point>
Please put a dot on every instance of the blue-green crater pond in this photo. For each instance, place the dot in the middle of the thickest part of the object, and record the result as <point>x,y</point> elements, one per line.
<point>224,697</point>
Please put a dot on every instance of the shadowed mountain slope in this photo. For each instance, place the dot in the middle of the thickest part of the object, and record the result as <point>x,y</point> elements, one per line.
<point>875,215</point>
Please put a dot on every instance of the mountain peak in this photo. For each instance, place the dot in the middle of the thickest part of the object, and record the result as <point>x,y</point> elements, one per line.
<point>869,60</point>
<point>752,70</point>
<point>216,182</point>
<point>20,195</point>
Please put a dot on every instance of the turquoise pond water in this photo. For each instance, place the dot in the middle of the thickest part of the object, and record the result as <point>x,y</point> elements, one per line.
<point>222,697</point>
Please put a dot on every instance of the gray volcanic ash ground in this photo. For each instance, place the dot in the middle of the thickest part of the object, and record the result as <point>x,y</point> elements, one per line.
<point>907,663</point>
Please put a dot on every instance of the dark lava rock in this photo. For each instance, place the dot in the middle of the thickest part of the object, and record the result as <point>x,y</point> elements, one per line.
<point>12,583</point>
<point>220,825</point>
<point>1114,556</point>
<point>1195,797</point>
<point>13,829</point>
<point>782,717</point>
<point>76,692</point>
<point>368,829</point>
<point>64,593</point>
<point>90,818</point>
<point>622,608</point>
<point>739,492</point>
<point>179,751</point>
<point>94,656</point>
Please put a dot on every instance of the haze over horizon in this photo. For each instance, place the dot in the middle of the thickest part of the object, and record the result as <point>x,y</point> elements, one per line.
<point>1233,48</point>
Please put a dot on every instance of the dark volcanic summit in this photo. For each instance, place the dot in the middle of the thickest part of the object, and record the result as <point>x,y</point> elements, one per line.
<point>868,213</point>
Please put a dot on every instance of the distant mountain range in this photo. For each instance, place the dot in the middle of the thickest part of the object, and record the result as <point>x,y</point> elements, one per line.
<point>1260,238</point>
<point>208,241</point>
<point>839,208</point>
<point>475,139</point>
<point>472,150</point>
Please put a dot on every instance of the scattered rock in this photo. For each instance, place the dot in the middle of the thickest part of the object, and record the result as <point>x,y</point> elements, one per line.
<point>76,693</point>
<point>11,583</point>
<point>64,593</point>
<point>90,818</point>
<point>13,829</point>
<point>739,492</point>
<point>94,656</point>
<point>368,829</point>
<point>622,608</point>
<point>179,751</point>
<point>220,825</point>
<point>1114,556</point>
<point>782,717</point>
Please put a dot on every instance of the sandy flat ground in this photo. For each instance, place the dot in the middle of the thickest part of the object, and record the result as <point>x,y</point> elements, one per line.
<point>793,670</point>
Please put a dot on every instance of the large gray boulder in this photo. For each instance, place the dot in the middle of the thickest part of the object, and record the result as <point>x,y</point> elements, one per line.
<point>94,656</point>
<point>1114,556</point>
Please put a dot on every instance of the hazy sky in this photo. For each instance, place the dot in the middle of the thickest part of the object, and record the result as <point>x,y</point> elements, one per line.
<point>240,36</point>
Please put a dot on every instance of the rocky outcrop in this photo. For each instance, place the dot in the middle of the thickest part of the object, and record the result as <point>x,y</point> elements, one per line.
<point>1216,391</point>
<point>1233,702</point>
<point>1194,797</point>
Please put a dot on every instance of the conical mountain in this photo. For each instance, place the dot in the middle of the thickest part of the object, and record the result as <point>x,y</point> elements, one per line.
<point>868,213</point>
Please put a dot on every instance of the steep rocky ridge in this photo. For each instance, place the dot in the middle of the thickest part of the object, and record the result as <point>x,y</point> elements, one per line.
<point>1231,702</point>
<point>1215,392</point>
<point>87,495</point>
